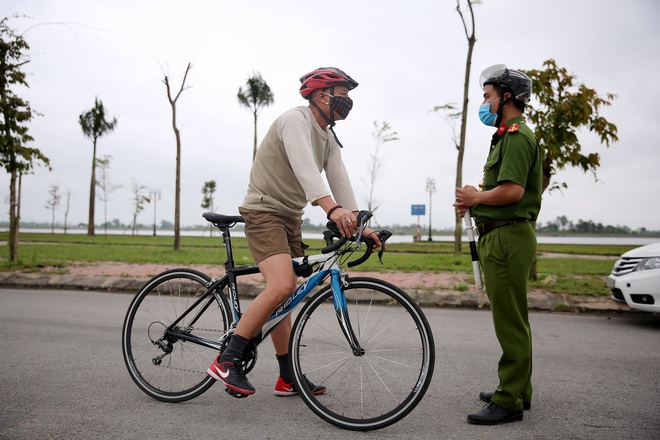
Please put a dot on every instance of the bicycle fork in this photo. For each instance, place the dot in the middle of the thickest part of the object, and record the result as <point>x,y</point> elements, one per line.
<point>337,282</point>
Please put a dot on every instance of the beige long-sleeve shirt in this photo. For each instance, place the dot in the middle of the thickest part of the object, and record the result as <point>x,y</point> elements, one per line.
<point>286,173</point>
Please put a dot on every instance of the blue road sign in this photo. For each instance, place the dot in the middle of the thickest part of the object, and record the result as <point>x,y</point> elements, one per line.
<point>418,210</point>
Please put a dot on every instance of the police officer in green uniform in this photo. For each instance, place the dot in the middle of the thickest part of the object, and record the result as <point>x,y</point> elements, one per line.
<point>510,198</point>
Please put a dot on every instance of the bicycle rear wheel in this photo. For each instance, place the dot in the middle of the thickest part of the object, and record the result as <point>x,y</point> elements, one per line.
<point>373,387</point>
<point>180,374</point>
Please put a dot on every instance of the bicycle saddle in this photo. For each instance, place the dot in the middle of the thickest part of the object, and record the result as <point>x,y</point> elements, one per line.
<point>221,219</point>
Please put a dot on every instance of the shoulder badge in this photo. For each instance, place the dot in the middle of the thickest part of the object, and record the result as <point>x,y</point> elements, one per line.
<point>513,128</point>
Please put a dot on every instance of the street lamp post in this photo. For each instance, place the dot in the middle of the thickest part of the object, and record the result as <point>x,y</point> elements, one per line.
<point>430,187</point>
<point>155,194</point>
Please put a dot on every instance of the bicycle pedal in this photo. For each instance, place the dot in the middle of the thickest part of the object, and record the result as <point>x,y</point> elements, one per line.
<point>235,394</point>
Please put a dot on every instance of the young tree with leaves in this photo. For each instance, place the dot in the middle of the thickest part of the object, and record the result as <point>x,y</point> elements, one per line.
<point>139,200</point>
<point>561,107</point>
<point>15,113</point>
<point>382,134</point>
<point>177,134</point>
<point>255,96</point>
<point>94,125</point>
<point>208,191</point>
<point>106,187</point>
<point>53,203</point>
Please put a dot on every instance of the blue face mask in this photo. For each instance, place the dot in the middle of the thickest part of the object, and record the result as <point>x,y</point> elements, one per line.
<point>485,114</point>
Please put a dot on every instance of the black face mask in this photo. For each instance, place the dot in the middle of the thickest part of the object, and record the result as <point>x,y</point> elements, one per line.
<point>341,105</point>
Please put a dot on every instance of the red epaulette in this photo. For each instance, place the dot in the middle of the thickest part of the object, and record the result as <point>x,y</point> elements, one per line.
<point>513,129</point>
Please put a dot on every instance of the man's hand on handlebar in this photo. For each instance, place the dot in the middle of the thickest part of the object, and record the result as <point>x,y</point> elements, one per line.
<point>346,221</point>
<point>354,227</point>
<point>348,225</point>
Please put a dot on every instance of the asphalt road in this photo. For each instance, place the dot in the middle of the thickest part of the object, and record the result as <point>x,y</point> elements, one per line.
<point>62,377</point>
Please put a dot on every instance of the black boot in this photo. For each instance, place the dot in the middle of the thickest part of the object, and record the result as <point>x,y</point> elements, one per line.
<point>493,414</point>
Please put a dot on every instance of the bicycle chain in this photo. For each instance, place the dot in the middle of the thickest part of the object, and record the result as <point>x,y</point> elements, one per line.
<point>182,369</point>
<point>214,330</point>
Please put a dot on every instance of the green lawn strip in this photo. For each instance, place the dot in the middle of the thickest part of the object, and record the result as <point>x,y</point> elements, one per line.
<point>141,240</point>
<point>422,247</point>
<point>31,255</point>
<point>581,285</point>
<point>575,276</point>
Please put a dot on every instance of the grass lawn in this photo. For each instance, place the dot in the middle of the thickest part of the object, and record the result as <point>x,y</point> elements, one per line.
<point>569,273</point>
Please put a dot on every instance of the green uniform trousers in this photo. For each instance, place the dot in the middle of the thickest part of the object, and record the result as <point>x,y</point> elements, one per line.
<point>506,256</point>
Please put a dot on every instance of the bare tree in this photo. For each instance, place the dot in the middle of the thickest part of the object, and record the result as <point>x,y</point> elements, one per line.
<point>106,187</point>
<point>177,134</point>
<point>255,96</point>
<point>382,134</point>
<point>460,145</point>
<point>471,39</point>
<point>53,203</point>
<point>139,200</point>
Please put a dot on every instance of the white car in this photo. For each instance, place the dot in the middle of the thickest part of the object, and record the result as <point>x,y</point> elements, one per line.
<point>635,278</point>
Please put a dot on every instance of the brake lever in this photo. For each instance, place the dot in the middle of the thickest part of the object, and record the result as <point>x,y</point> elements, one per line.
<point>363,218</point>
<point>383,235</point>
<point>358,240</point>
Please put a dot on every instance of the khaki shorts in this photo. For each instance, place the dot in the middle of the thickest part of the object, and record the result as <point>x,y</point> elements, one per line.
<point>270,233</point>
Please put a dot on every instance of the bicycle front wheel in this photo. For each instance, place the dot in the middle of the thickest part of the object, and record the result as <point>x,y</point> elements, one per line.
<point>163,365</point>
<point>382,382</point>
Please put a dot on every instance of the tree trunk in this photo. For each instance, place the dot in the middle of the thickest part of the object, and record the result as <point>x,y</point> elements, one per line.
<point>92,194</point>
<point>547,175</point>
<point>458,225</point>
<point>14,216</point>
<point>66,213</point>
<point>533,275</point>
<point>254,150</point>
<point>177,189</point>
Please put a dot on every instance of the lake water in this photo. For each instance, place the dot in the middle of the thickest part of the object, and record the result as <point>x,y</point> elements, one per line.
<point>625,240</point>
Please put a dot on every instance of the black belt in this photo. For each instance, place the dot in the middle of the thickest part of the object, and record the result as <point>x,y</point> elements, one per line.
<point>487,227</point>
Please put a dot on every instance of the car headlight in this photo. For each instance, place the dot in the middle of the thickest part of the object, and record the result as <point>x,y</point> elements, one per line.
<point>648,264</point>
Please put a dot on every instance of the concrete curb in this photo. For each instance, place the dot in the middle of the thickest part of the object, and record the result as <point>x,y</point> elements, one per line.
<point>427,297</point>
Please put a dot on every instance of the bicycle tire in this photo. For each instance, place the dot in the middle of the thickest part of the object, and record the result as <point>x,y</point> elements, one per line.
<point>181,374</point>
<point>378,386</point>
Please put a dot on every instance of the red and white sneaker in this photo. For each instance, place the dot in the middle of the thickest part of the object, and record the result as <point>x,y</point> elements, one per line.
<point>289,389</point>
<point>231,375</point>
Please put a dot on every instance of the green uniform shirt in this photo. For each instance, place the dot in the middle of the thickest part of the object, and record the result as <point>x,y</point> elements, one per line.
<point>516,158</point>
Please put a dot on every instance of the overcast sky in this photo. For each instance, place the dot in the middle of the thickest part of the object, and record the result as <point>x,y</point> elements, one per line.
<point>408,57</point>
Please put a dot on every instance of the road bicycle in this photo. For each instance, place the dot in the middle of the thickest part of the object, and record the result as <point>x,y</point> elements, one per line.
<point>363,338</point>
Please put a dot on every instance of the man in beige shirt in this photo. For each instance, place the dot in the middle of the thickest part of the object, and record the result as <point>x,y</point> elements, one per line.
<point>285,176</point>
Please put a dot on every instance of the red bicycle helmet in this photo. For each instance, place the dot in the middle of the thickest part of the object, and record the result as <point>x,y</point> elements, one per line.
<point>325,77</point>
